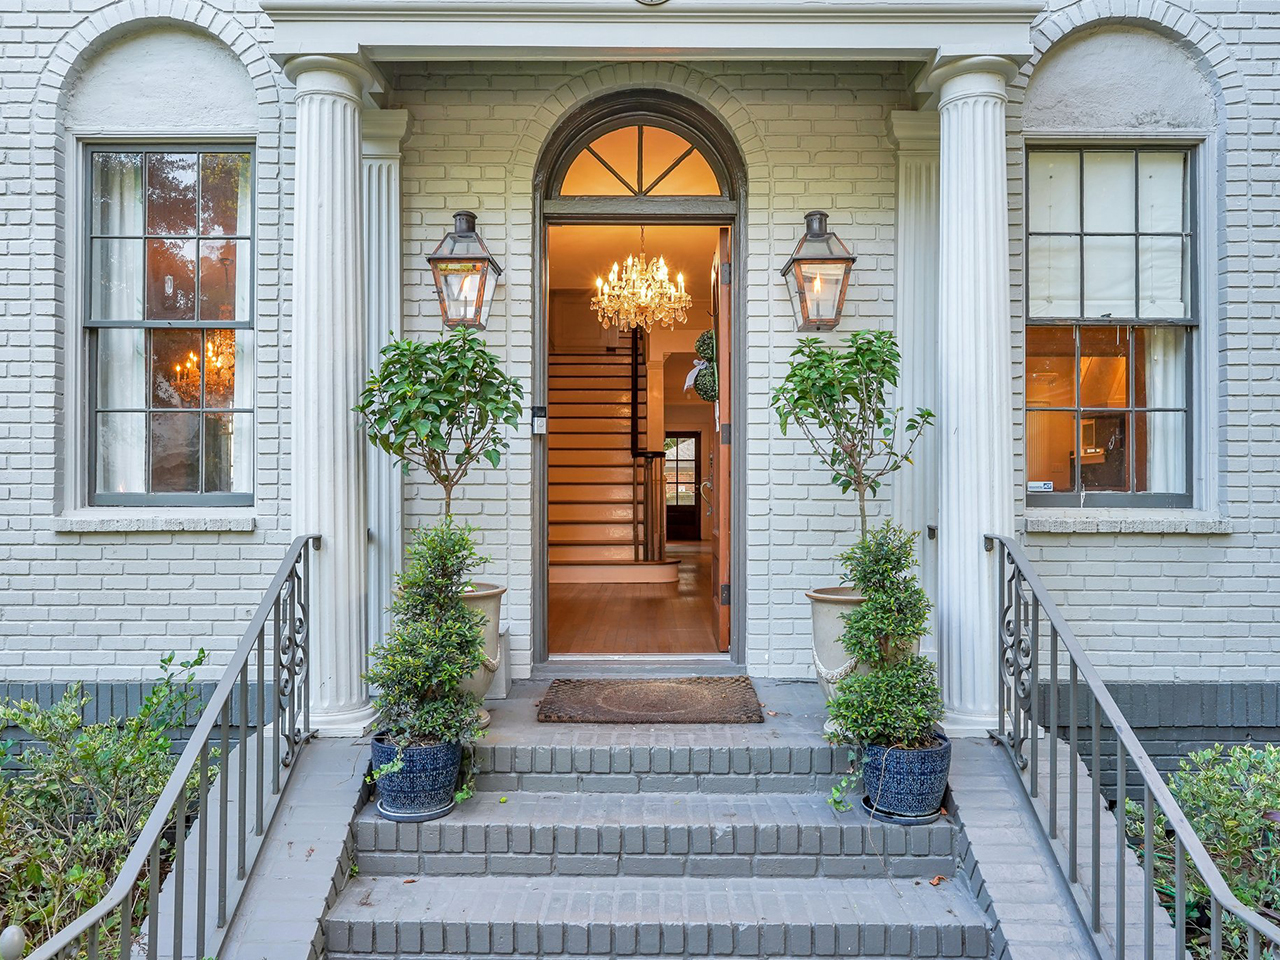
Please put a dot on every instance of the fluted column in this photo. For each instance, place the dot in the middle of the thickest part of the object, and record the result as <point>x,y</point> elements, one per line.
<point>329,336</point>
<point>975,406</point>
<point>384,131</point>
<point>915,490</point>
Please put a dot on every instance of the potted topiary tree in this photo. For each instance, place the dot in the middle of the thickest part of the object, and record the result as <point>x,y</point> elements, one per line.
<point>444,406</point>
<point>426,713</point>
<point>838,396</point>
<point>890,705</point>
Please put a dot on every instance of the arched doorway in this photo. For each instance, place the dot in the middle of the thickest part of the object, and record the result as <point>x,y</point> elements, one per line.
<point>631,173</point>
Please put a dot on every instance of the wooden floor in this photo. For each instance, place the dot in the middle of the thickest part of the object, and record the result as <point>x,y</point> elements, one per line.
<point>640,618</point>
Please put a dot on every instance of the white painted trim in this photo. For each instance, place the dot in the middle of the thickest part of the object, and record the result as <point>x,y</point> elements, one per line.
<point>1126,520</point>
<point>1172,136</point>
<point>146,520</point>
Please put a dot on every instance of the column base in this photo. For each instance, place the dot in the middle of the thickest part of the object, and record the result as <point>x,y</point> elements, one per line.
<point>356,722</point>
<point>968,724</point>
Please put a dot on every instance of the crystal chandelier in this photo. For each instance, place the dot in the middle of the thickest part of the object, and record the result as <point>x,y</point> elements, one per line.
<point>641,294</point>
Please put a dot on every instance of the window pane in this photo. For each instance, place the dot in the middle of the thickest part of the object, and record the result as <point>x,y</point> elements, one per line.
<point>224,194</point>
<point>122,369</point>
<point>620,149</point>
<point>1053,276</point>
<point>1104,366</point>
<point>171,194</point>
<point>116,203</point>
<point>121,453</point>
<point>1160,452</point>
<point>175,452</point>
<point>175,368</point>
<point>1053,192</point>
<point>1161,192</point>
<point>228,369</point>
<point>224,280</point>
<point>1161,280</point>
<point>1108,192</point>
<point>1051,451</point>
<point>1108,277</point>
<point>1104,451</point>
<point>1051,364</point>
<point>692,178</point>
<point>228,453</point>
<point>1160,374</point>
<point>115,280</point>
<point>171,279</point>
<point>587,177</point>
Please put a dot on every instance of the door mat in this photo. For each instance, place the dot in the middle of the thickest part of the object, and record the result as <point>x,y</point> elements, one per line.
<point>673,700</point>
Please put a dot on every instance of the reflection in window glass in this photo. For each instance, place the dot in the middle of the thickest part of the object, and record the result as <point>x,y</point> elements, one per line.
<point>169,308</point>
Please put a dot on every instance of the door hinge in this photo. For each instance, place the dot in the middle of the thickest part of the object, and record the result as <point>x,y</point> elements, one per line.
<point>726,432</point>
<point>726,272</point>
<point>724,594</point>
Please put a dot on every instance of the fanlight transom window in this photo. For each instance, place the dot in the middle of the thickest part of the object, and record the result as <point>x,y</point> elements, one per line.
<point>641,160</point>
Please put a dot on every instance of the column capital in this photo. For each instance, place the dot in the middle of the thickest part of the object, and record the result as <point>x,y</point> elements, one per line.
<point>914,131</point>
<point>382,133</point>
<point>336,76</point>
<point>971,76</point>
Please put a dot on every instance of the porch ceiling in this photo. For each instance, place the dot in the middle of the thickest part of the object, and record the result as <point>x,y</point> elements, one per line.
<point>920,30</point>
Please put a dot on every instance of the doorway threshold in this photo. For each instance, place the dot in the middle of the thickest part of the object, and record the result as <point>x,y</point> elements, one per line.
<point>569,666</point>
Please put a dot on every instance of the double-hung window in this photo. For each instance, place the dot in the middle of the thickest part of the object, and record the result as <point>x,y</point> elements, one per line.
<point>1111,315</point>
<point>169,316</point>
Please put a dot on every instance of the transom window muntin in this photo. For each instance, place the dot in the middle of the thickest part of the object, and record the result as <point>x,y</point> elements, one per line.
<point>168,313</point>
<point>640,157</point>
<point>1111,311</point>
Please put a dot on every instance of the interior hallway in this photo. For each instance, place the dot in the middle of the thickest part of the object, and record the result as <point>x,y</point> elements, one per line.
<point>637,618</point>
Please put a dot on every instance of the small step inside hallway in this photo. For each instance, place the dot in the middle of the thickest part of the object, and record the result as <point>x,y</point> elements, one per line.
<point>633,537</point>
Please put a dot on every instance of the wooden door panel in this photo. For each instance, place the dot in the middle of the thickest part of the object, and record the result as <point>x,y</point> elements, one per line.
<point>721,482</point>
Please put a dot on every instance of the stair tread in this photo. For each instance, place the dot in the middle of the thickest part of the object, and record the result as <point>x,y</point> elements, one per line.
<point>628,900</point>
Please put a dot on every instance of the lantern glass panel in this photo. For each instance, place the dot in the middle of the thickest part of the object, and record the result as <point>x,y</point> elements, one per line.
<point>823,283</point>
<point>462,283</point>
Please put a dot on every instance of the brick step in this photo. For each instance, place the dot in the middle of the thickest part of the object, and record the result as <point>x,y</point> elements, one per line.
<point>653,916</point>
<point>763,835</point>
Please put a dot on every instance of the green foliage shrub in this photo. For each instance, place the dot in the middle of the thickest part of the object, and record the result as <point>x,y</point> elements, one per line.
<point>74,804</point>
<point>436,642</point>
<point>1232,799</point>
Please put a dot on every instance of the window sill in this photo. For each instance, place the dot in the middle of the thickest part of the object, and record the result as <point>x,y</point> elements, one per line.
<point>1126,521</point>
<point>125,520</point>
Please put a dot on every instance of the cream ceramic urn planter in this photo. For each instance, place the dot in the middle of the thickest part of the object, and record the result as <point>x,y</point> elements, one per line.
<point>487,598</point>
<point>830,659</point>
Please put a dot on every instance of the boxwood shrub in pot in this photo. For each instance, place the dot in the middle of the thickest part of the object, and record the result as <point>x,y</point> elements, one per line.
<point>838,396</point>
<point>445,406</point>
<point>426,716</point>
<point>890,706</point>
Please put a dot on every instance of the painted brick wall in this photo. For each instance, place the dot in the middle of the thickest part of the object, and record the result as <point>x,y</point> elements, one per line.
<point>813,136</point>
<point>1184,601</point>
<point>105,605</point>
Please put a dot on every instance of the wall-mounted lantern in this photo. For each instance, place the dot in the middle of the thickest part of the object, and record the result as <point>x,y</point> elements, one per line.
<point>465,274</point>
<point>817,275</point>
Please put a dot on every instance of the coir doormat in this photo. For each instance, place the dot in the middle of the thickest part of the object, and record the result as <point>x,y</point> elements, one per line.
<point>673,700</point>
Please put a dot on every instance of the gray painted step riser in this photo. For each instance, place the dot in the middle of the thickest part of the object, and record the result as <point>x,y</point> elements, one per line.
<point>655,783</point>
<point>621,865</point>
<point>407,939</point>
<point>783,761</point>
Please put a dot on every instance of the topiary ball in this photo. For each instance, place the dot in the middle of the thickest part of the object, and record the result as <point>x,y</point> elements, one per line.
<point>705,385</point>
<point>705,346</point>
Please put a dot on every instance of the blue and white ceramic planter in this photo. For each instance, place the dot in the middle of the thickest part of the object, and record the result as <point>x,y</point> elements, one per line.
<point>906,783</point>
<point>423,788</point>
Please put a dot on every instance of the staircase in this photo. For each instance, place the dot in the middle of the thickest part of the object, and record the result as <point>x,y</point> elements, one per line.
<point>656,841</point>
<point>597,421</point>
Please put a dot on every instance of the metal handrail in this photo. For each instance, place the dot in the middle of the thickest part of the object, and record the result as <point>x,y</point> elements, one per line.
<point>285,607</point>
<point>1023,601</point>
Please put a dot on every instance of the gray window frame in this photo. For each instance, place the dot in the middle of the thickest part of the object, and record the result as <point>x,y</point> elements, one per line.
<point>90,327</point>
<point>1079,498</point>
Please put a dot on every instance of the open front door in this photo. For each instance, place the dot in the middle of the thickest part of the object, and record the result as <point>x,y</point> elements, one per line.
<point>720,450</point>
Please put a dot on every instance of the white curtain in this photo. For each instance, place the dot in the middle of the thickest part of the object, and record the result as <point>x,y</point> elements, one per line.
<point>1165,362</point>
<point>116,281</point>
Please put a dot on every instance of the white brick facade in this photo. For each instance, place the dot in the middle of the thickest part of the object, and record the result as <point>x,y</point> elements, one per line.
<point>1187,598</point>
